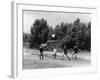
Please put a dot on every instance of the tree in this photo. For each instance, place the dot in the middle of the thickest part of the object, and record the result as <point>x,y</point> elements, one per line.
<point>61,30</point>
<point>26,37</point>
<point>57,31</point>
<point>88,37</point>
<point>50,33</point>
<point>76,31</point>
<point>39,32</point>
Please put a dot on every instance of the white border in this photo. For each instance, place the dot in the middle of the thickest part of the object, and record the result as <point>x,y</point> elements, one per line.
<point>17,38</point>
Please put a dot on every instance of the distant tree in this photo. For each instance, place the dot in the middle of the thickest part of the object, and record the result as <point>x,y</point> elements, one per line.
<point>57,31</point>
<point>77,21</point>
<point>26,37</point>
<point>88,37</point>
<point>75,31</point>
<point>61,30</point>
<point>50,33</point>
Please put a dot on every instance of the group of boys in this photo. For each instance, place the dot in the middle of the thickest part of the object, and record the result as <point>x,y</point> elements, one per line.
<point>74,54</point>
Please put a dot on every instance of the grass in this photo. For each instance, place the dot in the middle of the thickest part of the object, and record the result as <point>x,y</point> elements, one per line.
<point>31,60</point>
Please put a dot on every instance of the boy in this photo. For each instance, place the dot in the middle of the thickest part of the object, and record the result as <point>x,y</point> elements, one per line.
<point>75,50</point>
<point>65,52</point>
<point>41,52</point>
<point>54,51</point>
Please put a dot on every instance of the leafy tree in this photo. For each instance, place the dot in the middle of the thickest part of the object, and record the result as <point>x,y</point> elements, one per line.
<point>50,33</point>
<point>26,37</point>
<point>39,32</point>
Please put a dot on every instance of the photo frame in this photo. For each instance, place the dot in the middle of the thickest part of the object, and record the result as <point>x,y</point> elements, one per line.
<point>17,23</point>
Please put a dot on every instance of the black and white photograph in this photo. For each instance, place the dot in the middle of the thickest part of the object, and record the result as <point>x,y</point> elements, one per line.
<point>56,39</point>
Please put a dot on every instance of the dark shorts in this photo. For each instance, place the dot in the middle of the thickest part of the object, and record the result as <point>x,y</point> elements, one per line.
<point>75,52</point>
<point>65,52</point>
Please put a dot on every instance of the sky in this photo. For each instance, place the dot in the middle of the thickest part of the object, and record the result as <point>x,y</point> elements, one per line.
<point>53,18</point>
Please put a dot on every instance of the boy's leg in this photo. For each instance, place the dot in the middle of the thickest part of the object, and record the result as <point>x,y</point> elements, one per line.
<point>68,57</point>
<point>42,55</point>
<point>62,56</point>
<point>75,56</point>
<point>55,55</point>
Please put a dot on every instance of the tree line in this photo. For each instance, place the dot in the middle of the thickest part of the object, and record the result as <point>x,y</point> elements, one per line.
<point>70,34</point>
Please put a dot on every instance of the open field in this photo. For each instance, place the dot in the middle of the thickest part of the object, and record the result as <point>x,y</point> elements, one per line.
<point>31,60</point>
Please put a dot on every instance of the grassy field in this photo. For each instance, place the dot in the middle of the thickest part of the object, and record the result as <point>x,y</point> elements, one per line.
<point>31,60</point>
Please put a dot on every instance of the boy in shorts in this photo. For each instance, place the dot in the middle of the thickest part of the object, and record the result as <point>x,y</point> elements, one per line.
<point>41,52</point>
<point>75,50</point>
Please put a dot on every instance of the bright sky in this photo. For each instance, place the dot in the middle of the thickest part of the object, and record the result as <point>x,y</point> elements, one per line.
<point>53,18</point>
